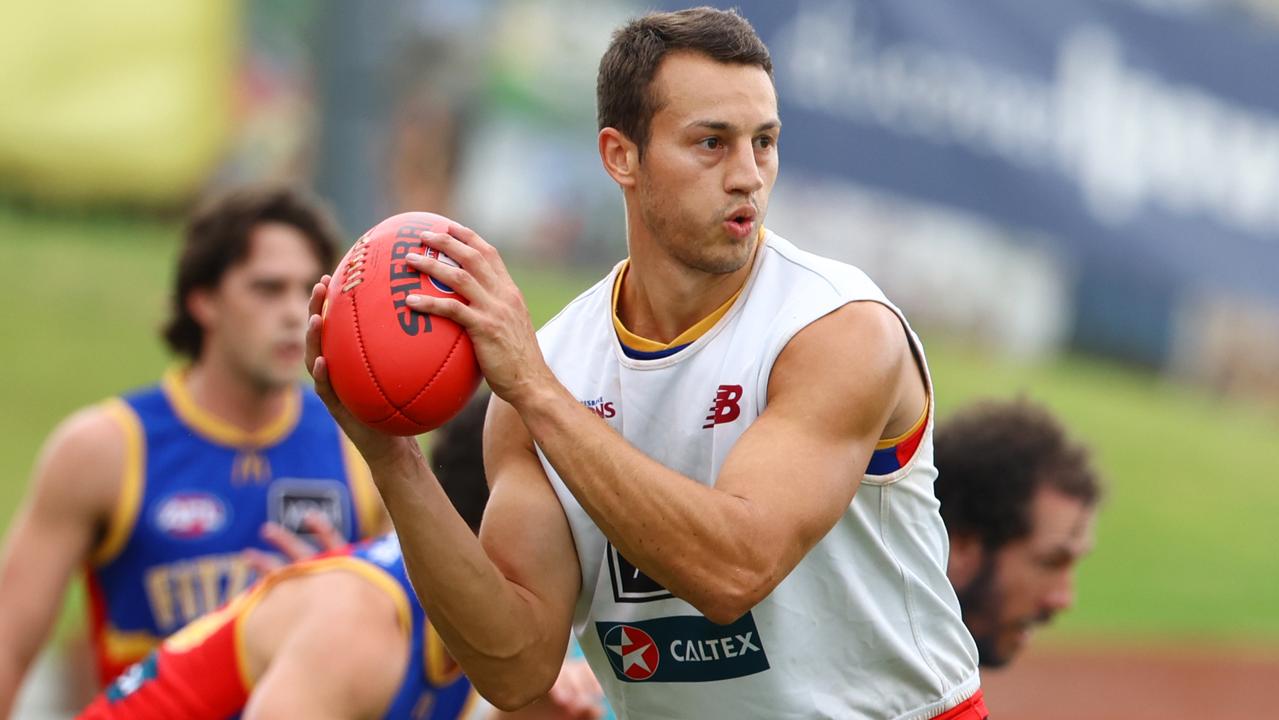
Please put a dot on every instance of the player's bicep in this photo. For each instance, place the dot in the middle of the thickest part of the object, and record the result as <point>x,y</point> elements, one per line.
<point>830,396</point>
<point>524,530</point>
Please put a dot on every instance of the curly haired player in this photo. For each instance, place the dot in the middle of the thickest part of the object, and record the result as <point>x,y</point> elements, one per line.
<point>1019,498</point>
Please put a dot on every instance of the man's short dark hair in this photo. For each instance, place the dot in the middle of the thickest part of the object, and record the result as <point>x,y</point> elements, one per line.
<point>624,86</point>
<point>992,457</point>
<point>457,459</point>
<point>217,237</point>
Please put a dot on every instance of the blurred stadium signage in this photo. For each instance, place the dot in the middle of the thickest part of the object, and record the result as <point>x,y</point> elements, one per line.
<point>1127,152</point>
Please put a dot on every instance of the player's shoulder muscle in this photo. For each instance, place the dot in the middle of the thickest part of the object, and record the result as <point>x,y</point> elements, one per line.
<point>80,466</point>
<point>857,352</point>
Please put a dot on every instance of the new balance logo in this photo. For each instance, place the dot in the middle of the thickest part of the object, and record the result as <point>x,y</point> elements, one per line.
<point>726,407</point>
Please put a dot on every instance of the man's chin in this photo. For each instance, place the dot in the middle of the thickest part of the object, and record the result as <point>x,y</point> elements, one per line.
<point>277,379</point>
<point>992,655</point>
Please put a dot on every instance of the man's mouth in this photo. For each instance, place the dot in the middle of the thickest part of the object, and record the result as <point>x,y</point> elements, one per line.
<point>741,222</point>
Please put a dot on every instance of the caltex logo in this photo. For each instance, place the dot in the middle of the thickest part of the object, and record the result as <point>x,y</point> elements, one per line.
<point>632,651</point>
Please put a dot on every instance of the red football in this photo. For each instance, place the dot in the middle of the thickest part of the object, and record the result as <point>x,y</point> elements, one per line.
<point>397,370</point>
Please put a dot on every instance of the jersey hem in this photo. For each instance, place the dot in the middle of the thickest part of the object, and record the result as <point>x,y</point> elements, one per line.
<point>947,703</point>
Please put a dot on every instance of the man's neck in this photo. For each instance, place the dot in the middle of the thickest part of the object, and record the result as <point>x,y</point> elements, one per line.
<point>221,392</point>
<point>661,297</point>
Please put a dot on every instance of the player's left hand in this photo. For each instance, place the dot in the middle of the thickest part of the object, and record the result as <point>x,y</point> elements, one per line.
<point>496,317</point>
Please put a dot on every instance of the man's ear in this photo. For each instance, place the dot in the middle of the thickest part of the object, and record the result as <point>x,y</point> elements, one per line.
<point>966,555</point>
<point>619,155</point>
<point>201,305</point>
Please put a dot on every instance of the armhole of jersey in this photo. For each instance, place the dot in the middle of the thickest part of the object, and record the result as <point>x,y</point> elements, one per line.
<point>373,574</point>
<point>368,508</point>
<point>441,669</point>
<point>914,429</point>
<point>125,514</point>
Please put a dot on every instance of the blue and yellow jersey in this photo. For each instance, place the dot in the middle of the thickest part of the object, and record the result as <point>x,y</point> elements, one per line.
<point>201,672</point>
<point>195,493</point>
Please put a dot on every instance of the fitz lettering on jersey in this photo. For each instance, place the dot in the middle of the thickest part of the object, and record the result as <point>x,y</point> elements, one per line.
<point>727,406</point>
<point>682,648</point>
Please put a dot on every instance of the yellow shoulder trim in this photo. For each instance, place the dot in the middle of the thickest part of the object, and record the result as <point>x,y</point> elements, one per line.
<point>125,513</point>
<point>370,572</point>
<point>468,709</point>
<point>441,668</point>
<point>217,430</point>
<point>244,604</point>
<point>923,418</point>
<point>364,496</point>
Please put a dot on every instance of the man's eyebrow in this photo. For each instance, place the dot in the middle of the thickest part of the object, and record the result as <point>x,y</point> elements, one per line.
<point>721,125</point>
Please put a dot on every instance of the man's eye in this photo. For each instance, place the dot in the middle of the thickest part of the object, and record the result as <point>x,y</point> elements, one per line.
<point>711,143</point>
<point>764,142</point>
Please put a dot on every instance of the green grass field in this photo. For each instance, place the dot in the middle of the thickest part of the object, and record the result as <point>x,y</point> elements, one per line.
<point>1187,545</point>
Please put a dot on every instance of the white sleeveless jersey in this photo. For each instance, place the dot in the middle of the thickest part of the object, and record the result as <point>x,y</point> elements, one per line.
<point>866,626</point>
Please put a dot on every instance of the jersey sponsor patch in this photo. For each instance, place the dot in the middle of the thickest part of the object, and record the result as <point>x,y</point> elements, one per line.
<point>630,584</point>
<point>290,500</point>
<point>682,648</point>
<point>190,515</point>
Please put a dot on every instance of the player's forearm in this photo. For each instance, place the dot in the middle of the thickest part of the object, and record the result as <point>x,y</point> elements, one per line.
<point>700,543</point>
<point>491,626</point>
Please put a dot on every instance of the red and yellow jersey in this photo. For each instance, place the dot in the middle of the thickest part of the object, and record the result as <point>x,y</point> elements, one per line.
<point>202,673</point>
<point>194,495</point>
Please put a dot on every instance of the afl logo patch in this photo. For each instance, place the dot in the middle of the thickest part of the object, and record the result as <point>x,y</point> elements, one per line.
<point>632,652</point>
<point>190,515</point>
<point>433,253</point>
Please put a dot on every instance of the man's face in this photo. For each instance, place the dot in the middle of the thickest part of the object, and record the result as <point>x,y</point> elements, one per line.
<point>1028,581</point>
<point>710,162</point>
<point>255,319</point>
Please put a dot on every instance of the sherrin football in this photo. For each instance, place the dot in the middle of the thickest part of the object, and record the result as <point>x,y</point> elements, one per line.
<point>396,370</point>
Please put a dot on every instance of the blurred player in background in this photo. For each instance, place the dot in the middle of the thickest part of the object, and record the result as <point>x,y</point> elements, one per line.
<point>156,494</point>
<point>722,413</point>
<point>1019,499</point>
<point>337,636</point>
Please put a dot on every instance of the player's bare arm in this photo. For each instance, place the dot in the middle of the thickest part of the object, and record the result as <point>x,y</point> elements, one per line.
<point>840,385</point>
<point>505,619</point>
<point>503,603</point>
<point>291,637</point>
<point>73,492</point>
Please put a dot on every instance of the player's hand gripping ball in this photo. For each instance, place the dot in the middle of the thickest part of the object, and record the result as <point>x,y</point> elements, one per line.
<point>396,370</point>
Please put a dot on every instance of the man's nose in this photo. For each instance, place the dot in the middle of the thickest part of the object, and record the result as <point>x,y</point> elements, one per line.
<point>743,176</point>
<point>1061,594</point>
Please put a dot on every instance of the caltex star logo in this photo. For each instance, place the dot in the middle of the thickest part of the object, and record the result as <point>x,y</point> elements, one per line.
<point>632,651</point>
